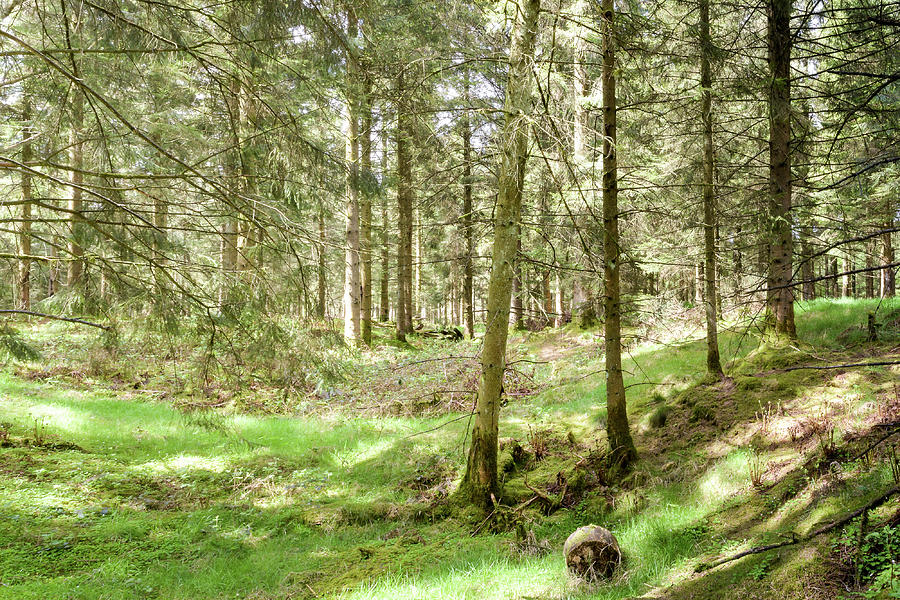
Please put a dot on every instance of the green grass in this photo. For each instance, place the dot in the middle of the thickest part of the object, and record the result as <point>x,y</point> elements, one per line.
<point>102,497</point>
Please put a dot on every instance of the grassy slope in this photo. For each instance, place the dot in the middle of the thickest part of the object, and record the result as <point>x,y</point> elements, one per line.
<point>157,503</point>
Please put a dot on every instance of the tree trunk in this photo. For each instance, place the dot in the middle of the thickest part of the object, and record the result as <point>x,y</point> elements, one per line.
<point>76,160</point>
<point>622,450</point>
<point>365,222</point>
<point>320,263</point>
<point>352,289</point>
<point>518,311</point>
<point>468,229</point>
<point>405,215</point>
<point>713,364</point>
<point>780,298</point>
<point>870,273</point>
<point>480,484</point>
<point>845,278</point>
<point>888,274</point>
<point>560,305</point>
<point>807,269</point>
<point>24,302</point>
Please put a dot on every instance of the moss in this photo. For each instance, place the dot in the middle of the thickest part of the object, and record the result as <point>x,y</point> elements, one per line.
<point>701,412</point>
<point>659,416</point>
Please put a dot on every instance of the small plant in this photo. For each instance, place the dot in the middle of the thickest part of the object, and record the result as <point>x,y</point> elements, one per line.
<point>539,442</point>
<point>765,414</point>
<point>828,443</point>
<point>38,432</point>
<point>761,569</point>
<point>871,556</point>
<point>755,466</point>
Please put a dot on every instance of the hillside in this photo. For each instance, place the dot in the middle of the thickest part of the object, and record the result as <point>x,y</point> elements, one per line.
<point>108,493</point>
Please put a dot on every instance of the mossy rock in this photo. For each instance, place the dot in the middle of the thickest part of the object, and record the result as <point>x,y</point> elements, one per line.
<point>592,553</point>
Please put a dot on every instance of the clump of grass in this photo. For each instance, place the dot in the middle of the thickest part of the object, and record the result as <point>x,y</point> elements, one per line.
<point>756,466</point>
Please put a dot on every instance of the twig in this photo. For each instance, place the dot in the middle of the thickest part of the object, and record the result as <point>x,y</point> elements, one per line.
<point>484,522</point>
<point>876,442</point>
<point>9,311</point>
<point>438,427</point>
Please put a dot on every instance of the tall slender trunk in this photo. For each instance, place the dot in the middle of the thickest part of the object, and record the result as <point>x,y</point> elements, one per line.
<point>365,217</point>
<point>352,300</point>
<point>807,269</point>
<point>320,262</point>
<point>560,305</point>
<point>385,302</point>
<point>405,214</point>
<point>417,304</point>
<point>622,450</point>
<point>713,363</point>
<point>24,302</point>
<point>870,273</point>
<point>480,484</point>
<point>845,278</point>
<point>160,224</point>
<point>468,229</point>
<point>76,160</point>
<point>888,274</point>
<point>518,312</point>
<point>780,300</point>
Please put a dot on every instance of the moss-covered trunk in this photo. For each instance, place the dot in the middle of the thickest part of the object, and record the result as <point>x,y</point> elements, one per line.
<point>480,481</point>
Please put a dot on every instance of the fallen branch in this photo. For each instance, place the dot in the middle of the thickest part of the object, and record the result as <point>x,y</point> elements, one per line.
<point>882,363</point>
<point>552,503</point>
<point>9,311</point>
<point>871,446</point>
<point>796,540</point>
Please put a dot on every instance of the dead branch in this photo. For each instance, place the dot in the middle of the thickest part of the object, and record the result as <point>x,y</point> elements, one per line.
<point>9,311</point>
<point>875,503</point>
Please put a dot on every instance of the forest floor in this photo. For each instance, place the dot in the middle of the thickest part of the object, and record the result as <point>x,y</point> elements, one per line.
<point>124,474</point>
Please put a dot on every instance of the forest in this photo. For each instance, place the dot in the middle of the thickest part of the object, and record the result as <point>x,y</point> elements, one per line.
<point>396,299</point>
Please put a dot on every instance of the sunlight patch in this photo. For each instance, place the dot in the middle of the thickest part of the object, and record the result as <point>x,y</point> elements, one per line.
<point>185,462</point>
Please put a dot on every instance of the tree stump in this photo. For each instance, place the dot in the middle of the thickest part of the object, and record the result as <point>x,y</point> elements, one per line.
<point>592,553</point>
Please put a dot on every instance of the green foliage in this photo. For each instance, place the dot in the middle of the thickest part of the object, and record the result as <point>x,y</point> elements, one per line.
<point>875,556</point>
<point>13,345</point>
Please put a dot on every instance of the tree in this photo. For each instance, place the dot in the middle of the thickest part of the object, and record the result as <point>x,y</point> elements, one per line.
<point>622,450</point>
<point>479,485</point>
<point>780,297</point>
<point>713,363</point>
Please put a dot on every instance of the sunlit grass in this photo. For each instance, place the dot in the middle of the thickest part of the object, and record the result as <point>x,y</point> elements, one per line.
<point>169,504</point>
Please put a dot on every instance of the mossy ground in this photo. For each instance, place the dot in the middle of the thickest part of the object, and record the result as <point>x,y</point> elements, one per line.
<point>108,490</point>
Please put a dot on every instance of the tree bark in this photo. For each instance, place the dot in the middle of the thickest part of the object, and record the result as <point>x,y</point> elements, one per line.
<point>780,299</point>
<point>807,269</point>
<point>468,229</point>
<point>405,214</point>
<point>480,481</point>
<point>76,160</point>
<point>365,222</point>
<point>352,289</point>
<point>888,274</point>
<point>622,450</point>
<point>24,302</point>
<point>713,363</point>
